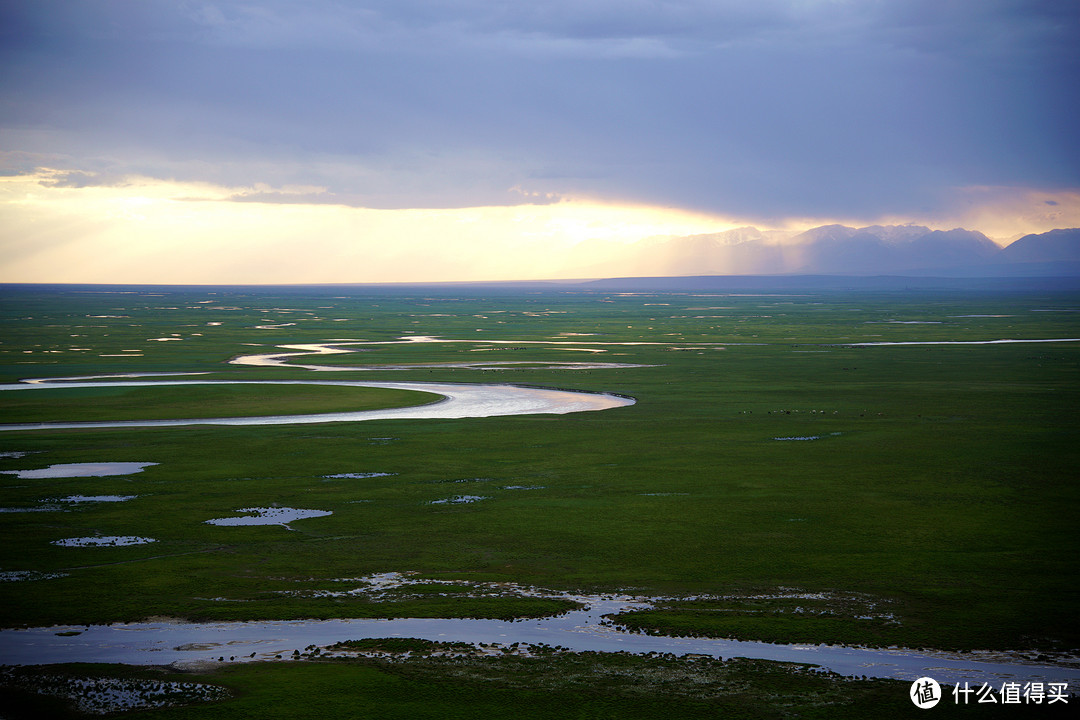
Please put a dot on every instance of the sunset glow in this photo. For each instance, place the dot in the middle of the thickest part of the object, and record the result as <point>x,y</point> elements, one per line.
<point>154,231</point>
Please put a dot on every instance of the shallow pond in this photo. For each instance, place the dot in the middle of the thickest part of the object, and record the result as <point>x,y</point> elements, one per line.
<point>358,476</point>
<point>268,516</point>
<point>27,575</point>
<point>459,500</point>
<point>103,541</point>
<point>71,470</point>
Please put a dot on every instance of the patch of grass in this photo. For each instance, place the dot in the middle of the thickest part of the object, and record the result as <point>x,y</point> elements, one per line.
<point>560,685</point>
<point>412,646</point>
<point>58,404</point>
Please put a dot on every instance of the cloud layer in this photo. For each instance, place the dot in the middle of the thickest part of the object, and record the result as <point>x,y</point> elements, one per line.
<point>777,113</point>
<point>765,109</point>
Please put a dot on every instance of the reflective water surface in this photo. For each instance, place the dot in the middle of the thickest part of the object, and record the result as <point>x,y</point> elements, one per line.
<point>460,400</point>
<point>268,516</point>
<point>69,470</point>
<point>159,643</point>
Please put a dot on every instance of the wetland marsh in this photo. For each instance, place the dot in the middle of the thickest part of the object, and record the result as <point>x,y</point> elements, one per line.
<point>930,502</point>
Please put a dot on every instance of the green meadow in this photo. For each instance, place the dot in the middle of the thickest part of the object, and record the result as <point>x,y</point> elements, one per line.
<point>926,493</point>
<point>167,403</point>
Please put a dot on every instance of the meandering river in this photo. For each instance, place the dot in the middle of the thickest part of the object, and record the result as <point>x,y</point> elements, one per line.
<point>460,400</point>
<point>160,643</point>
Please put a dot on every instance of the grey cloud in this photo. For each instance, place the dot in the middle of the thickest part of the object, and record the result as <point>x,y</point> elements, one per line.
<point>283,198</point>
<point>43,166</point>
<point>81,179</point>
<point>760,109</point>
<point>513,196</point>
<point>582,19</point>
<point>347,25</point>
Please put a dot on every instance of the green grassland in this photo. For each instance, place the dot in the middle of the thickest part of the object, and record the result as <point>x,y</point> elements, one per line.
<point>936,508</point>
<point>166,403</point>
<point>611,686</point>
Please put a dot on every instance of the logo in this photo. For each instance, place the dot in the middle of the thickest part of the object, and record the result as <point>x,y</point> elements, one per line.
<point>925,693</point>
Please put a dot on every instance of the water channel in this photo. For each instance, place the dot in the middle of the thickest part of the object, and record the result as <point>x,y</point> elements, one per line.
<point>460,400</point>
<point>162,643</point>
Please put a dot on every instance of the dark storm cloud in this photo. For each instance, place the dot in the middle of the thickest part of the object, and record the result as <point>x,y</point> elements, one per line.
<point>759,109</point>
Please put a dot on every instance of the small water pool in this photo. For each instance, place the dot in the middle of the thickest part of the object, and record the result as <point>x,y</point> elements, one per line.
<point>268,516</point>
<point>66,470</point>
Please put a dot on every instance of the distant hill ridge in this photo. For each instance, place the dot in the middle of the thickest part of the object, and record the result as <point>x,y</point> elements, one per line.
<point>874,250</point>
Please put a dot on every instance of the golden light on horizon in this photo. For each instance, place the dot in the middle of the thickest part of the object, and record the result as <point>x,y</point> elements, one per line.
<point>156,231</point>
<point>145,230</point>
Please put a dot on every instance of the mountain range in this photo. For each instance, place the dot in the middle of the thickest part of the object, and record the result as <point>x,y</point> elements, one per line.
<point>909,250</point>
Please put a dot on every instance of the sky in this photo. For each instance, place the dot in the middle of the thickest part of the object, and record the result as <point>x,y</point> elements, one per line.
<point>263,141</point>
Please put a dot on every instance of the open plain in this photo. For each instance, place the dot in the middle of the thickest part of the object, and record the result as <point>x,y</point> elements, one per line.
<point>818,467</point>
